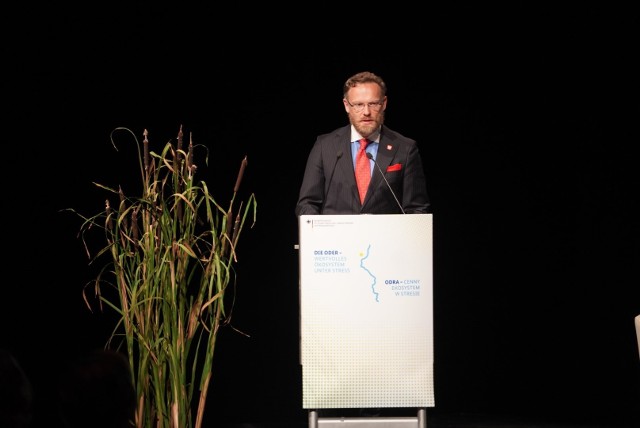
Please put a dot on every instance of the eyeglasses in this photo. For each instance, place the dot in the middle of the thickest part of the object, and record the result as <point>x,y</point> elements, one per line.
<point>359,107</point>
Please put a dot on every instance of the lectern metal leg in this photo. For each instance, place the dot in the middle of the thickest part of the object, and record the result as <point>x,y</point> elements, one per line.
<point>313,419</point>
<point>422,418</point>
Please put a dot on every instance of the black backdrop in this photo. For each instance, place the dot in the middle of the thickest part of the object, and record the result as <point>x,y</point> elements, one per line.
<point>526,122</point>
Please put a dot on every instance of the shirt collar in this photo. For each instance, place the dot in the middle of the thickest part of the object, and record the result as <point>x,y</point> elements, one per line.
<point>355,136</point>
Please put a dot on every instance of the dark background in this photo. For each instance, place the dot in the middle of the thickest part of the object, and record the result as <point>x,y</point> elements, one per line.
<point>527,122</point>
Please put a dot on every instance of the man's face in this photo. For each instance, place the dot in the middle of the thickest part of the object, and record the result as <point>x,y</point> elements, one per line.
<point>365,106</point>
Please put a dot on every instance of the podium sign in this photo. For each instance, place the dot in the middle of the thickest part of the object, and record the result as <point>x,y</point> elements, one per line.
<point>366,310</point>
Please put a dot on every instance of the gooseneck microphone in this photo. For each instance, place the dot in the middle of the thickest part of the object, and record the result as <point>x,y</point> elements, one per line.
<point>324,197</point>
<point>370,156</point>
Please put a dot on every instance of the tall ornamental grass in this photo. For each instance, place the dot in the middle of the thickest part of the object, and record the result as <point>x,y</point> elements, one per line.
<point>171,253</point>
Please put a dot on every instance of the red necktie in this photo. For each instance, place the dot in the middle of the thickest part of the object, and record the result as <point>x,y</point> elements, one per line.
<point>363,169</point>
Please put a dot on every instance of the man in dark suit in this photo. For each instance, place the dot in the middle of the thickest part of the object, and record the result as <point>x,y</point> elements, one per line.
<point>329,184</point>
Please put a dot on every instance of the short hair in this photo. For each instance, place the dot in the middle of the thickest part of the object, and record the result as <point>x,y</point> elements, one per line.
<point>364,77</point>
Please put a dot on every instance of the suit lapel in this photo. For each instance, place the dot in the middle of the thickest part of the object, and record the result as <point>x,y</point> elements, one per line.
<point>386,153</point>
<point>342,143</point>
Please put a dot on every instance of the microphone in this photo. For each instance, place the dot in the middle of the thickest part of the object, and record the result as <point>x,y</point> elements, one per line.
<point>370,156</point>
<point>324,199</point>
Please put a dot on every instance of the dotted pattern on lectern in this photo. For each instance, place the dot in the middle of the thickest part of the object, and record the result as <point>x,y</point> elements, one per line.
<point>337,374</point>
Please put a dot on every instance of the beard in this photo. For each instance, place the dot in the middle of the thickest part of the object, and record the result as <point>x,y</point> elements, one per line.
<point>367,128</point>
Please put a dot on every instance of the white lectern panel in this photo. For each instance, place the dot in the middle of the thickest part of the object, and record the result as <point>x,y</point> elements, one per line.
<point>366,308</point>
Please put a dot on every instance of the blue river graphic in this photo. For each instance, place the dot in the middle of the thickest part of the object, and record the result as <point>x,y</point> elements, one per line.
<point>376,295</point>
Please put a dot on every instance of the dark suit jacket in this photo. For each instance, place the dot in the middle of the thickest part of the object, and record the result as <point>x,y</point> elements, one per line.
<point>329,183</point>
